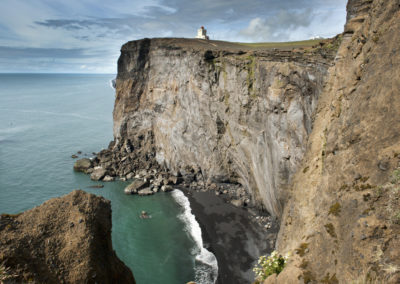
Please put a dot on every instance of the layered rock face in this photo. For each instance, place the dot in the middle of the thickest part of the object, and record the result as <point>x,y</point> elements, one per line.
<point>64,240</point>
<point>232,113</point>
<point>342,218</point>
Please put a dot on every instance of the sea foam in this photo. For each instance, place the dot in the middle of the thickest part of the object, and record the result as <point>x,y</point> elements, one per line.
<point>206,265</point>
<point>113,83</point>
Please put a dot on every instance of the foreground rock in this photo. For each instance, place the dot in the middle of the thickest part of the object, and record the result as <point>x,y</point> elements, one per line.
<point>83,165</point>
<point>64,240</point>
<point>98,174</point>
<point>135,186</point>
<point>342,220</point>
<point>145,192</point>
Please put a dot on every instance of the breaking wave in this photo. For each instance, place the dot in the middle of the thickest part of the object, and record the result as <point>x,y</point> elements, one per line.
<point>113,83</point>
<point>206,265</point>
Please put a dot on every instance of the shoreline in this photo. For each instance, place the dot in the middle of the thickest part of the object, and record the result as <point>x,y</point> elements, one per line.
<point>232,234</point>
<point>232,226</point>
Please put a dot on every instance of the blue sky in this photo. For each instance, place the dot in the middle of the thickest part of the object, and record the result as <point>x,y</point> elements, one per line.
<point>85,36</point>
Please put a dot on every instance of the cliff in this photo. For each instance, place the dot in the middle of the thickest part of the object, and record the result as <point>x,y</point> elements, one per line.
<point>227,111</point>
<point>312,134</point>
<point>64,240</point>
<point>342,218</point>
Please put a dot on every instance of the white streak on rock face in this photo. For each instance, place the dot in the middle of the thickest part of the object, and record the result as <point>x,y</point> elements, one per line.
<point>240,117</point>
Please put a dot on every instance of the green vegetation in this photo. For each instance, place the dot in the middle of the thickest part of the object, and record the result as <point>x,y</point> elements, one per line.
<point>308,276</point>
<point>331,230</point>
<point>302,249</point>
<point>267,266</point>
<point>335,209</point>
<point>395,178</point>
<point>250,75</point>
<point>396,217</point>
<point>282,45</point>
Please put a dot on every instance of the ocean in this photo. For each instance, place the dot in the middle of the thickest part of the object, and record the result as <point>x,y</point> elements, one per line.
<point>44,119</point>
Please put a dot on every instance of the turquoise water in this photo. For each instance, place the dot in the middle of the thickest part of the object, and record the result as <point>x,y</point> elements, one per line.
<point>43,120</point>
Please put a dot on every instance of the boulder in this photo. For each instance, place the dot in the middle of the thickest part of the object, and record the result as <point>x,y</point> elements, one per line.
<point>146,191</point>
<point>98,174</point>
<point>166,188</point>
<point>83,165</point>
<point>135,186</point>
<point>130,175</point>
<point>237,202</point>
<point>108,178</point>
<point>175,179</point>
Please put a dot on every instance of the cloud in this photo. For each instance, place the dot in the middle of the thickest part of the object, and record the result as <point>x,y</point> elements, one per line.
<point>29,52</point>
<point>74,33</point>
<point>278,27</point>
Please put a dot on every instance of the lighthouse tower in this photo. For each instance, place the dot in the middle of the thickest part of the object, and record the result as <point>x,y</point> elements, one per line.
<point>202,33</point>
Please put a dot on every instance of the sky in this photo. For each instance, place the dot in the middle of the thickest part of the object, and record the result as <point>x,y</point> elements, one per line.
<point>85,36</point>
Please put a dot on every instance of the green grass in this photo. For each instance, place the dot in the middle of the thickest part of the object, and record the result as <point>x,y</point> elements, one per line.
<point>288,44</point>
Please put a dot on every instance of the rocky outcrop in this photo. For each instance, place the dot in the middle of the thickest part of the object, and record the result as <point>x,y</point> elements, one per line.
<point>221,110</point>
<point>64,240</point>
<point>342,218</point>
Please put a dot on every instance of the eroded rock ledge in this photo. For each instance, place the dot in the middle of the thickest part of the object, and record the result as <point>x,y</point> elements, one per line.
<point>64,240</point>
<point>223,112</point>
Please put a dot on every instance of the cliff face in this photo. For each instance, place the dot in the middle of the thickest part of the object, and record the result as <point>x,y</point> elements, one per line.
<point>64,240</point>
<point>233,113</point>
<point>342,218</point>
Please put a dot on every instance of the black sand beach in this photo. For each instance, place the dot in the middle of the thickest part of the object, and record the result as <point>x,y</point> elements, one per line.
<point>232,234</point>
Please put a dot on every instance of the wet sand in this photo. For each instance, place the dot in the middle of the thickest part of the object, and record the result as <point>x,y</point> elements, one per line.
<point>232,234</point>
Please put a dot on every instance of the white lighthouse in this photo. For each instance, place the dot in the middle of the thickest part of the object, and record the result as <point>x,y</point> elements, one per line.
<point>202,33</point>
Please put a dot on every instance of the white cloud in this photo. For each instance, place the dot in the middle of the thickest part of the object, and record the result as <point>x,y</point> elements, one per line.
<point>98,28</point>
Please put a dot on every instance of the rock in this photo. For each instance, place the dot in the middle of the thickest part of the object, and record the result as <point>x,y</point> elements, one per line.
<point>74,156</point>
<point>82,165</point>
<point>130,175</point>
<point>383,165</point>
<point>166,188</point>
<point>68,250</point>
<point>146,191</point>
<point>173,179</point>
<point>96,186</point>
<point>155,189</point>
<point>108,178</point>
<point>188,178</point>
<point>237,202</point>
<point>98,174</point>
<point>89,171</point>
<point>213,186</point>
<point>135,186</point>
<point>142,173</point>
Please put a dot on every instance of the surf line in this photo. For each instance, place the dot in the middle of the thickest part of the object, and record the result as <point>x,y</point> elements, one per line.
<point>206,265</point>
